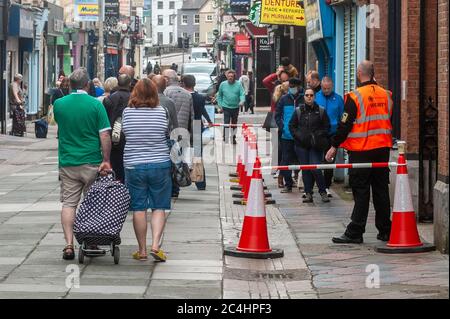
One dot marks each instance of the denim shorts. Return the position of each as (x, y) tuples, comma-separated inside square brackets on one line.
[(150, 186)]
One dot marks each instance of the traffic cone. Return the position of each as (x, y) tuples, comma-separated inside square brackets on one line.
[(239, 159), (242, 172), (253, 158), (254, 240), (404, 237)]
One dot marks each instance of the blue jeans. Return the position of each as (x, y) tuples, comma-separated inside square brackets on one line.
[(306, 157), (287, 158)]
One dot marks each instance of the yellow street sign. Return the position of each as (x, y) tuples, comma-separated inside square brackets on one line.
[(287, 12)]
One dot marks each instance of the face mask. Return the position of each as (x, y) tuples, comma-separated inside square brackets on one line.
[(293, 91)]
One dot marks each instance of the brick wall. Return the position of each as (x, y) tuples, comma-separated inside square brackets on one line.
[(410, 74), (378, 43), (443, 80)]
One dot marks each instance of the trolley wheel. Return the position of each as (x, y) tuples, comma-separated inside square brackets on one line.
[(81, 255), (116, 255)]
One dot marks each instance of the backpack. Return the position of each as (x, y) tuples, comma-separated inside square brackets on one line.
[(103, 211), (41, 128), (317, 142), (181, 175), (117, 136)]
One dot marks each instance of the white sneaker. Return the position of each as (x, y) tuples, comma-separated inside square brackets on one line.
[(328, 192)]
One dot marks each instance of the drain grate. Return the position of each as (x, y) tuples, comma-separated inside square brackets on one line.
[(276, 275)]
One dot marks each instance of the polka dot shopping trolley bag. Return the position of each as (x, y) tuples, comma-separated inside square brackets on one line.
[(102, 212)]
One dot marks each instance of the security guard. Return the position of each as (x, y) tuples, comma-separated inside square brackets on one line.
[(365, 132)]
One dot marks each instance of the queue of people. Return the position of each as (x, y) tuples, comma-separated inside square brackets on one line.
[(132, 124)]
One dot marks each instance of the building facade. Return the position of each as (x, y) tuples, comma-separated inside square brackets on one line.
[(188, 21), (164, 21), (208, 22)]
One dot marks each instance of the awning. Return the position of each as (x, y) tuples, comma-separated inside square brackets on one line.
[(256, 32)]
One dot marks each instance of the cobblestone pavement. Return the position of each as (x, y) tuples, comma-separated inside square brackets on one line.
[(198, 227)]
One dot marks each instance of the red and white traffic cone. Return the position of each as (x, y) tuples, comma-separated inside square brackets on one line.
[(239, 159), (404, 237), (242, 171), (254, 241)]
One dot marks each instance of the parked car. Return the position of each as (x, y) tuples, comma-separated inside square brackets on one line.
[(196, 68), (200, 55)]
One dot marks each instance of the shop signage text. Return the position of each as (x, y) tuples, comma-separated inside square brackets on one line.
[(285, 12)]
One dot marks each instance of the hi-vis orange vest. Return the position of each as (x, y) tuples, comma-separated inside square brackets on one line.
[(372, 128)]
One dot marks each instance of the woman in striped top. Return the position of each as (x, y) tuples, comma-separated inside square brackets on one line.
[(147, 165)]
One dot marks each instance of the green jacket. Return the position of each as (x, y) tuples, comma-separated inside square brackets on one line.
[(230, 95)]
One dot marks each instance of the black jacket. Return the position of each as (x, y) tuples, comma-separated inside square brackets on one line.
[(114, 105), (311, 130)]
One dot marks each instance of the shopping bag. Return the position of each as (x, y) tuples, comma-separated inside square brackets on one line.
[(197, 170)]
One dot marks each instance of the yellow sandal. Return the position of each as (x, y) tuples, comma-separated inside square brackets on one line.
[(136, 255), (158, 255)]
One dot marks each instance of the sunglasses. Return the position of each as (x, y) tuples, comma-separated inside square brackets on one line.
[(309, 95)]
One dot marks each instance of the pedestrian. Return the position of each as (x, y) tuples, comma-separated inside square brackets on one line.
[(185, 111), (365, 131), (147, 165), (280, 90), (84, 147), (289, 68), (129, 70), (91, 90), (188, 82), (174, 67), (283, 114), (114, 105), (109, 88), (313, 81), (164, 101), (271, 81), (149, 68), (230, 97), (333, 103), (309, 126), (62, 88), (157, 69), (221, 78), (245, 82), (249, 98), (99, 90), (17, 106)]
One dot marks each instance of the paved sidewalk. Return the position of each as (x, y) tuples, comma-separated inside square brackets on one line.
[(200, 224)]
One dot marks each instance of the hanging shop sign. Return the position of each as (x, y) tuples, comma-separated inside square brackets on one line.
[(314, 29), (111, 13), (86, 10), (239, 6), (284, 12), (242, 44), (263, 44)]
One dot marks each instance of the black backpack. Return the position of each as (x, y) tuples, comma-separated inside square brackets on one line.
[(41, 128)]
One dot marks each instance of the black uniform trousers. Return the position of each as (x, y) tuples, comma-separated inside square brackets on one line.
[(361, 181)]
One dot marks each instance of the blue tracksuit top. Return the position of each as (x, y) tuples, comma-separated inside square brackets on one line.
[(283, 113), (334, 105)]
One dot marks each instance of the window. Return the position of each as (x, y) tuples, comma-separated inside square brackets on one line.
[(170, 37), (209, 18), (184, 19), (197, 19), (160, 5), (209, 38), (171, 20), (160, 38), (160, 20), (172, 5), (196, 37), (184, 35)]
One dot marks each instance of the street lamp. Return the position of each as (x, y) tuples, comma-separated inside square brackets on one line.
[(70, 36)]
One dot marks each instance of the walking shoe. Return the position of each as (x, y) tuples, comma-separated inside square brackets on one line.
[(69, 252), (280, 181), (344, 239), (328, 192), (286, 190), (234, 140), (308, 198), (304, 195), (383, 237), (325, 198)]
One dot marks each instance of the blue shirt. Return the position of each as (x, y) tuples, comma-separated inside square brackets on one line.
[(334, 105)]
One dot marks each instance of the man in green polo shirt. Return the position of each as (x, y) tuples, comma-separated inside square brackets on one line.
[(230, 97), (84, 147)]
